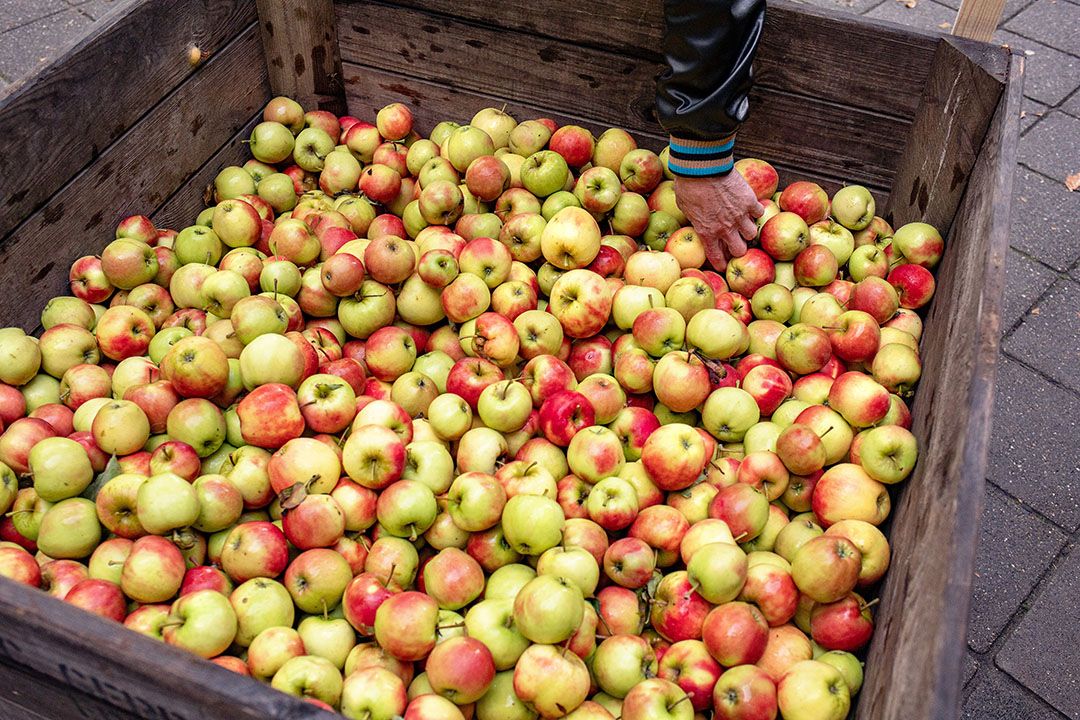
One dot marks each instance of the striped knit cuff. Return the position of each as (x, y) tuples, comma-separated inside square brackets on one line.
[(701, 158)]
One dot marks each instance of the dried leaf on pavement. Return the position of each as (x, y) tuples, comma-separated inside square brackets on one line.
[(1073, 182)]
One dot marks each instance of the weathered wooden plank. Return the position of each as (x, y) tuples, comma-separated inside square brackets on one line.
[(122, 68), (841, 141), (29, 696), (182, 207), (142, 677), (861, 71), (301, 49), (944, 140), (369, 89), (978, 19), (914, 668), (138, 172)]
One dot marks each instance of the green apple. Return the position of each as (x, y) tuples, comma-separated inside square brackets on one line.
[(621, 662), (232, 182), (20, 357), (166, 502), (500, 702), (271, 359), (327, 637), (67, 309), (260, 603), (728, 413), (311, 147), (506, 581), (60, 468), (375, 693), (813, 690), (848, 665), (718, 571), (548, 609), (309, 676), (532, 523), (69, 529), (165, 339), (195, 244), (492, 623), (465, 144), (120, 427), (575, 563), (853, 207), (544, 173), (27, 512), (203, 623), (717, 334), (9, 487), (888, 453)]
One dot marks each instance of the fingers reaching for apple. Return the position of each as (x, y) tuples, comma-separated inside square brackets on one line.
[(722, 209)]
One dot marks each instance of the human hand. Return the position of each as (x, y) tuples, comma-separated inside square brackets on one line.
[(722, 210)]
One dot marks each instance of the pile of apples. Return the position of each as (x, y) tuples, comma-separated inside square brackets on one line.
[(461, 427)]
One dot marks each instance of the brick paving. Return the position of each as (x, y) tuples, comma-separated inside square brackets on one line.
[(1024, 637)]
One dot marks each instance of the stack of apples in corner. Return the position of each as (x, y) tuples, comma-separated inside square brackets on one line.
[(462, 426)]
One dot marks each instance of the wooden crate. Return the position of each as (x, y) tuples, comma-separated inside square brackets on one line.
[(928, 122)]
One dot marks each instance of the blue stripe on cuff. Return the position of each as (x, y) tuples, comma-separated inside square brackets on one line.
[(711, 150), (702, 172)]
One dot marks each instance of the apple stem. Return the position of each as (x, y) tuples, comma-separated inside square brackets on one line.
[(451, 626), (740, 536), (867, 605), (684, 698), (827, 431), (390, 575)]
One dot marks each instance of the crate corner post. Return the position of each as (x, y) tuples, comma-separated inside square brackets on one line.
[(964, 86), (300, 45)]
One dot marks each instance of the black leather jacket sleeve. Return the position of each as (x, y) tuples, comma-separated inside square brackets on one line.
[(701, 98)]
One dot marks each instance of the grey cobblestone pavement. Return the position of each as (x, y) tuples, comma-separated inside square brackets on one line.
[(1024, 640)]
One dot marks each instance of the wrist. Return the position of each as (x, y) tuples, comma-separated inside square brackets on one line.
[(701, 158)]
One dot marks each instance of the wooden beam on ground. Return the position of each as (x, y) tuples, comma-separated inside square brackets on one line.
[(978, 19), (301, 49)]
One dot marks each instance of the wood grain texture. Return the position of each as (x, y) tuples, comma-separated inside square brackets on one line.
[(978, 19), (789, 58), (28, 696), (604, 89), (144, 678), (118, 73), (944, 139), (301, 49), (137, 173), (914, 668)]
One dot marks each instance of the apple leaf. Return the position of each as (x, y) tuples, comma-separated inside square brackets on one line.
[(112, 469), (293, 496), (1072, 182)]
